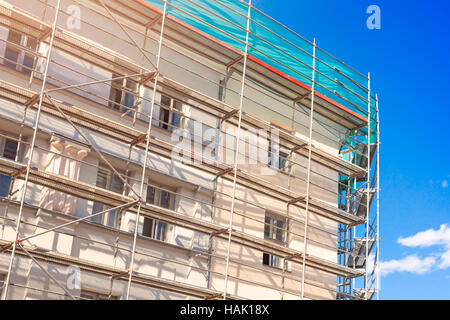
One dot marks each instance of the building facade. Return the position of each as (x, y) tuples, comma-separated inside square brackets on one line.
[(149, 152)]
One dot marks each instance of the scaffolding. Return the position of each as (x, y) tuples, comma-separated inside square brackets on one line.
[(245, 59)]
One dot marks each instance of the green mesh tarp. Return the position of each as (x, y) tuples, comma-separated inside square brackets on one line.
[(273, 44)]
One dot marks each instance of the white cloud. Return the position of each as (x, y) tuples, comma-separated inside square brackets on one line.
[(428, 238), (412, 264), (415, 264), (444, 184), (445, 260)]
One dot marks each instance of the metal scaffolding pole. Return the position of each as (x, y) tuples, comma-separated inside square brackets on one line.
[(308, 182), (85, 138), (85, 84), (291, 170), (237, 175), (43, 92), (128, 35), (45, 271), (107, 244), (28, 168), (355, 181), (241, 103), (144, 167), (172, 61), (378, 201), (368, 186), (121, 207)]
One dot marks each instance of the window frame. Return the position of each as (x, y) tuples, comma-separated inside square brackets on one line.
[(268, 259), (280, 165), (273, 261), (167, 113), (111, 218), (273, 228), (22, 50), (157, 196), (5, 141), (153, 228), (6, 179), (127, 88)]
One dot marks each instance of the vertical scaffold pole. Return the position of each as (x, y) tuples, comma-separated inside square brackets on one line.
[(378, 200), (355, 192), (308, 180), (233, 199), (366, 286), (141, 191), (30, 159), (288, 225)]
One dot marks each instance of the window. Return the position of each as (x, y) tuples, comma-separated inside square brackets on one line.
[(10, 149), (278, 160), (153, 228), (2, 283), (275, 227), (91, 295), (272, 261), (159, 197), (170, 114), (5, 182), (106, 179), (283, 162), (123, 95), (9, 152), (12, 52), (18, 54)]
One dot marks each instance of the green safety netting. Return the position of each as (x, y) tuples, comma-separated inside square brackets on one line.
[(273, 44)]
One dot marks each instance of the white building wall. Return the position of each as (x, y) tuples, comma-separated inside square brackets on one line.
[(206, 83)]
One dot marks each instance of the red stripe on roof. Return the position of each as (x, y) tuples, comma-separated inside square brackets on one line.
[(301, 84), (278, 72), (150, 6), (254, 59), (340, 106)]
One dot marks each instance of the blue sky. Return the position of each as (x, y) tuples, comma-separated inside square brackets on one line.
[(409, 62)]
